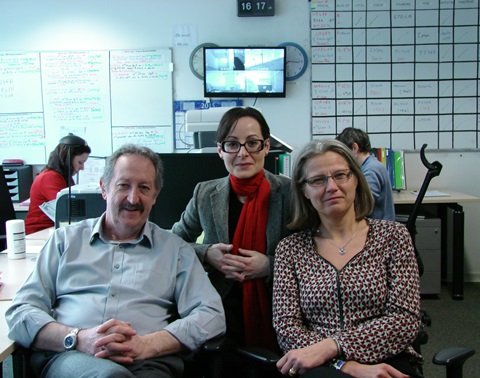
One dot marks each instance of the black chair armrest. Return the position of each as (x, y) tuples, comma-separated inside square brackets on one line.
[(453, 359), (259, 354), (216, 344), (450, 356)]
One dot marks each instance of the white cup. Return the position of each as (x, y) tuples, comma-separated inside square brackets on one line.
[(15, 229)]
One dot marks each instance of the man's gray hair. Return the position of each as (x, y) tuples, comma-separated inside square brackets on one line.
[(133, 149)]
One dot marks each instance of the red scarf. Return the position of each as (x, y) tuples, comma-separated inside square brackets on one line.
[(251, 233)]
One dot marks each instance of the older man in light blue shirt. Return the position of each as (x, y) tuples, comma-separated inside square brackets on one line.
[(116, 296)]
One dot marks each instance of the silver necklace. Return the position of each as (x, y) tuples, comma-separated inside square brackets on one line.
[(341, 250)]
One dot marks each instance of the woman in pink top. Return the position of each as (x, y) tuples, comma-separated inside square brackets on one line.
[(53, 178)]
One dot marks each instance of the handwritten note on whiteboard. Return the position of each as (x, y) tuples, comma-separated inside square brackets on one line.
[(159, 139), (20, 83)]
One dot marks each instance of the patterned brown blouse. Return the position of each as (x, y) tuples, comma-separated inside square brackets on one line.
[(371, 306)]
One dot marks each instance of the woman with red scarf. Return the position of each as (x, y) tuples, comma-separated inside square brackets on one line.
[(243, 217)]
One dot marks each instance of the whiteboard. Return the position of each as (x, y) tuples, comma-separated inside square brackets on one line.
[(141, 87), (105, 97), (404, 71)]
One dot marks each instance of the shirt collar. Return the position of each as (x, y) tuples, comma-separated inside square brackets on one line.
[(145, 238), (365, 161)]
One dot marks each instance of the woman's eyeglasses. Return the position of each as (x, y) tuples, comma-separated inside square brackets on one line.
[(340, 177), (232, 147)]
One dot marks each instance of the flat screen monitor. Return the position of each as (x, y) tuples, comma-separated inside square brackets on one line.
[(244, 71)]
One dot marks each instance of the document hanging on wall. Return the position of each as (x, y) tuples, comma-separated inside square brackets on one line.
[(101, 96)]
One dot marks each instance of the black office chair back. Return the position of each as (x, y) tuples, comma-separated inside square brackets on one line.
[(433, 170), (7, 211)]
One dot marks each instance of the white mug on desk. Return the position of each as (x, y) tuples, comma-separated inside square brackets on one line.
[(15, 230)]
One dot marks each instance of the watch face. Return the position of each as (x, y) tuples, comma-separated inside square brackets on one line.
[(196, 59), (69, 342)]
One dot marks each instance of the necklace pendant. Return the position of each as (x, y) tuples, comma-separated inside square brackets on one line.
[(342, 251)]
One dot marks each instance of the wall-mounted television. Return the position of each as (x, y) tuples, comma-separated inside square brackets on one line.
[(244, 71)]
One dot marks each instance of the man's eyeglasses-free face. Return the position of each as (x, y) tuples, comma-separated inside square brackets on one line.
[(340, 177), (232, 146)]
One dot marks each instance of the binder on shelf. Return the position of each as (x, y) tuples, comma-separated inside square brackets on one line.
[(390, 166), (285, 167), (399, 170), (394, 163)]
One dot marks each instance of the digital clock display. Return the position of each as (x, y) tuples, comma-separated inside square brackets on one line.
[(255, 8)]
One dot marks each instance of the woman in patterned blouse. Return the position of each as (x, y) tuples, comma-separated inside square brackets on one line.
[(346, 288)]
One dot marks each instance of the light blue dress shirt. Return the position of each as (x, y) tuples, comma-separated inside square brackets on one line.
[(81, 279), (379, 182)]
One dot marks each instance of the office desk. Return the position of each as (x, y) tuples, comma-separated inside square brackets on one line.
[(15, 272), (453, 228), (7, 346)]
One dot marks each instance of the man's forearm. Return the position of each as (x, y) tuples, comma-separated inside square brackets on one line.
[(51, 336), (160, 343)]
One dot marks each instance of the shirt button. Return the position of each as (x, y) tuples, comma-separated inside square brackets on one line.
[(116, 266), (113, 294)]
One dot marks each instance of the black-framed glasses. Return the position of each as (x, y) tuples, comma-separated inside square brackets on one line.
[(252, 145), (340, 177)]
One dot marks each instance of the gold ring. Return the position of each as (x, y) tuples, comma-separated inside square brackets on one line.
[(292, 372)]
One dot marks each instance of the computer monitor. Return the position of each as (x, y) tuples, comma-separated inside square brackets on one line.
[(245, 71), (182, 172), (87, 202)]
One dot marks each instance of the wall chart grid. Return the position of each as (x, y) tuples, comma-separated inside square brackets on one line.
[(405, 71)]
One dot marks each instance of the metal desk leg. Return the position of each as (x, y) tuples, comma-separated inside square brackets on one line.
[(458, 251)]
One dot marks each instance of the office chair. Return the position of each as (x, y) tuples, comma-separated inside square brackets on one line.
[(452, 358)]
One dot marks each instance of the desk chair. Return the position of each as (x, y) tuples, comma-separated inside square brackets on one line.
[(7, 212), (452, 358)]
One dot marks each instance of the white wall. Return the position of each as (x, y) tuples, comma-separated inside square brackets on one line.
[(107, 24)]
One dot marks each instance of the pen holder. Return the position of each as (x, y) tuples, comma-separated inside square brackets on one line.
[(15, 230)]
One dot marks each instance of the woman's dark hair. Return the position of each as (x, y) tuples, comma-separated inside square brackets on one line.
[(230, 118), (58, 159), (352, 135)]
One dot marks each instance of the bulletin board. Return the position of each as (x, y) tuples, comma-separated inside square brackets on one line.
[(106, 97), (405, 71)]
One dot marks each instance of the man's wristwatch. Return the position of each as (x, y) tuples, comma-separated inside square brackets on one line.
[(70, 341)]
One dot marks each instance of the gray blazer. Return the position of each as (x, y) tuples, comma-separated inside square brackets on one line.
[(207, 212)]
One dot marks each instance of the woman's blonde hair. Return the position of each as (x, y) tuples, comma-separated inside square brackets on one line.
[(304, 215)]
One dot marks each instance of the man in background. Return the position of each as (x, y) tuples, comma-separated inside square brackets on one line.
[(116, 296), (374, 171)]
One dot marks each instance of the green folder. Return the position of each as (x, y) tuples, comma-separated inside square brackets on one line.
[(399, 170)]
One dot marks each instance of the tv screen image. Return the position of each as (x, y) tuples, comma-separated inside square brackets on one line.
[(244, 71)]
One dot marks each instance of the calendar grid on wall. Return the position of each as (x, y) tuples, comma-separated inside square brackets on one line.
[(404, 71)]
